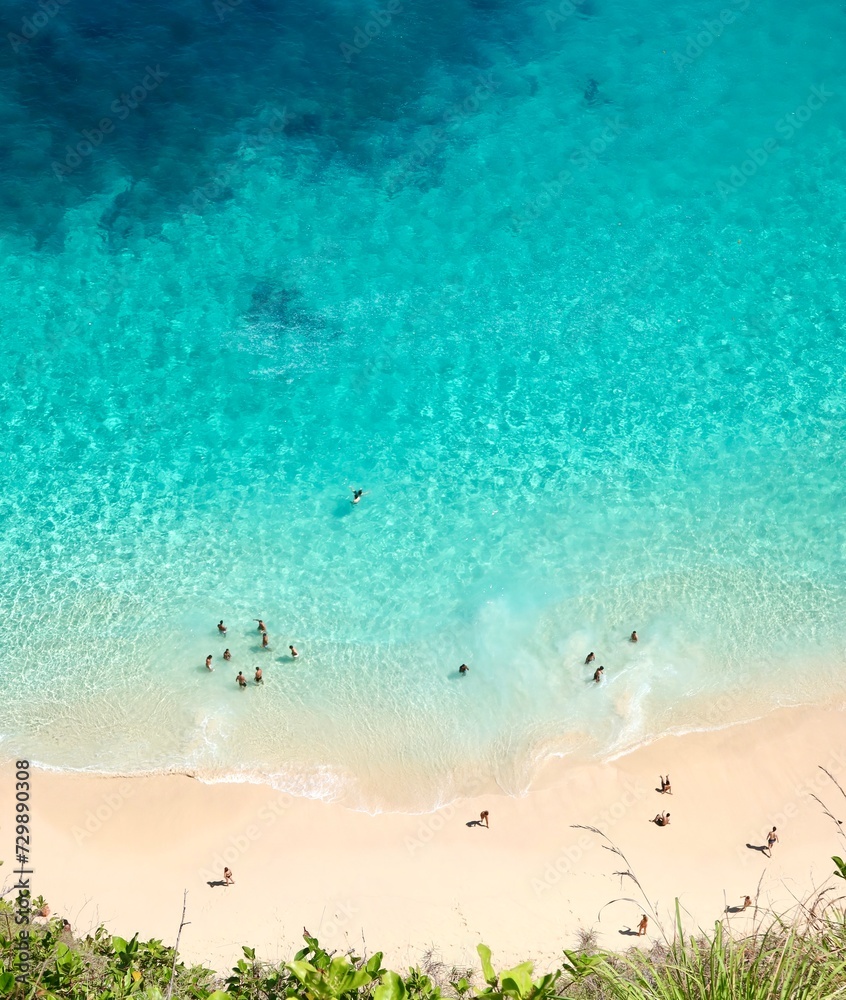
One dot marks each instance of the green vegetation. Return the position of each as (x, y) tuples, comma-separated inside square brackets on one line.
[(776, 963)]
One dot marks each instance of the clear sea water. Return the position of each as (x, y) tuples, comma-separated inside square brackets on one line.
[(561, 287)]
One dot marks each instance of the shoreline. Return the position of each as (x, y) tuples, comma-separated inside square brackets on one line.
[(121, 849)]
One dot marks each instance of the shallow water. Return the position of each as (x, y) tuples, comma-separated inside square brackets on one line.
[(560, 288)]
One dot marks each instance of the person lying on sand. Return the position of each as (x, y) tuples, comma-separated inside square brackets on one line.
[(666, 787), (662, 819)]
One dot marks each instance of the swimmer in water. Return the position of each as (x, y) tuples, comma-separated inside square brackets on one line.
[(357, 495), (208, 662), (259, 678), (633, 637), (261, 627), (464, 669), (221, 627), (264, 640), (597, 674), (294, 653), (242, 680), (227, 655), (590, 658)]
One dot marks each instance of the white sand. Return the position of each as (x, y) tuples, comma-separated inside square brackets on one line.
[(121, 851)]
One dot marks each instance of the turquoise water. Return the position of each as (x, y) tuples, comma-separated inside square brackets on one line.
[(561, 291)]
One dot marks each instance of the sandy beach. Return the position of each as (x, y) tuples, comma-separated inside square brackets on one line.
[(121, 851)]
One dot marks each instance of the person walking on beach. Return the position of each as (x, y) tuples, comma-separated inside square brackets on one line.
[(227, 877), (772, 838), (242, 680), (265, 641), (589, 658), (641, 927), (666, 787), (633, 637), (597, 674), (463, 669), (294, 653), (662, 819), (261, 627), (747, 902), (259, 678), (483, 818), (208, 662), (221, 627), (227, 655)]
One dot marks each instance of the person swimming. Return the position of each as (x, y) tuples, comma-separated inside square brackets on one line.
[(242, 680), (357, 495)]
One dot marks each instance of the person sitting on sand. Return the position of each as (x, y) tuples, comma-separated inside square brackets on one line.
[(666, 787), (641, 927), (772, 838), (294, 653), (597, 674), (265, 641), (483, 818), (221, 627), (227, 877), (208, 662), (747, 902), (227, 655), (242, 680), (464, 669), (589, 658), (261, 627), (662, 819), (259, 678), (633, 637)]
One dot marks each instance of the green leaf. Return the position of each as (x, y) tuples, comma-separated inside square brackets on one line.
[(487, 969), (518, 981), (841, 867), (119, 945), (392, 988), (7, 984), (219, 995)]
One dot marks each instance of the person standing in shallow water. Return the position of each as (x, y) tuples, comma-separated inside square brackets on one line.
[(208, 662), (633, 637), (464, 669), (294, 653), (259, 679), (227, 655), (589, 658), (597, 675), (265, 641), (221, 627), (261, 627), (242, 680)]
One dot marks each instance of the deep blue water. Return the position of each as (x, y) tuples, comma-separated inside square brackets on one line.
[(559, 286)]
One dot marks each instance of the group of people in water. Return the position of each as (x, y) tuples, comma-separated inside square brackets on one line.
[(240, 679), (600, 670)]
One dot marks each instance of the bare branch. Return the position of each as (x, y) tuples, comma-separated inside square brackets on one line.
[(182, 923)]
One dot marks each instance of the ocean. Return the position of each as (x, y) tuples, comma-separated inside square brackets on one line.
[(558, 285)]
